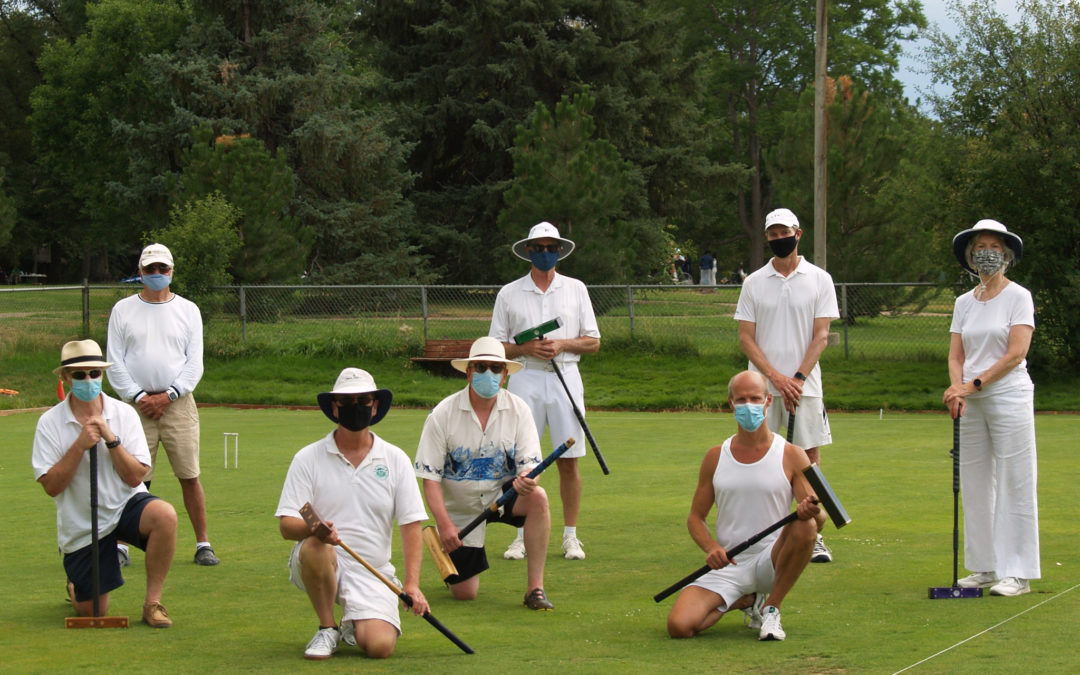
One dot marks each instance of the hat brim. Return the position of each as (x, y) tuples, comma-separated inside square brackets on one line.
[(519, 247), (463, 364), (82, 365), (383, 396), (960, 243)]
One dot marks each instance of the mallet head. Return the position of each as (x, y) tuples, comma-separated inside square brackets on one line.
[(826, 496)]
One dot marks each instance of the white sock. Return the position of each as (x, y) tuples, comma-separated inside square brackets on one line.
[(521, 533), (201, 544), (568, 531)]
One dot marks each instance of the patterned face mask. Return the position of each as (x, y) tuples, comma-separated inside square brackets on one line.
[(987, 261)]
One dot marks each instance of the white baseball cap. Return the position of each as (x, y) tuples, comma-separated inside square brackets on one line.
[(781, 217), (155, 253), (544, 230)]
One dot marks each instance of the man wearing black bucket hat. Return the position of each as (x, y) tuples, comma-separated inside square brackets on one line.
[(992, 394), (86, 419), (360, 484)]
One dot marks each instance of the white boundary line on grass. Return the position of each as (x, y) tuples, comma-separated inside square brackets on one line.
[(983, 632)]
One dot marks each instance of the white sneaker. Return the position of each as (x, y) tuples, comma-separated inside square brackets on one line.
[(323, 645), (516, 550), (770, 625), (571, 547), (1011, 586), (822, 553), (753, 612), (123, 555), (978, 580)]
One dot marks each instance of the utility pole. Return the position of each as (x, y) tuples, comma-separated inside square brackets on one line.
[(820, 129)]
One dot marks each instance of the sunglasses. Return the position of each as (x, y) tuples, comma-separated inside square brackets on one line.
[(346, 400), (550, 248), (496, 368), (83, 374), (160, 268)]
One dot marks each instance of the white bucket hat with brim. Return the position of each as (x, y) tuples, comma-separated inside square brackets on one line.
[(543, 230), (487, 349), (353, 381), (961, 240), (80, 354)]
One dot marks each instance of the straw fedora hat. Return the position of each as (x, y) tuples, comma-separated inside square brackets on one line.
[(487, 349), (80, 354)]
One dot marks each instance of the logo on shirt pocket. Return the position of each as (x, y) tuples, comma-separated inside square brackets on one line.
[(381, 471)]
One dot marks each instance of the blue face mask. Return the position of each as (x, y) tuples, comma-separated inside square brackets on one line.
[(486, 385), (750, 415), (86, 390), (156, 282), (543, 260)]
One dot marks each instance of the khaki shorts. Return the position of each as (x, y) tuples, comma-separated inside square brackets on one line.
[(178, 431), (811, 422)]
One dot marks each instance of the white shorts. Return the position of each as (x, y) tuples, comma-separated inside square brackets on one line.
[(360, 594), (752, 573), (550, 406), (811, 421)]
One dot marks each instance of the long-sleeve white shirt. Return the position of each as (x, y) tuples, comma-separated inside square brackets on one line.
[(154, 346)]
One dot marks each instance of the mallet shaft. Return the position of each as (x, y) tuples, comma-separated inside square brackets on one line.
[(581, 420)]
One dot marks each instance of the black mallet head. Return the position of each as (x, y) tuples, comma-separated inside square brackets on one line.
[(826, 497)]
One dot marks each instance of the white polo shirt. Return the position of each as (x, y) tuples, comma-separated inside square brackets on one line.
[(57, 430), (783, 310), (473, 463), (154, 346), (362, 502), (520, 305)]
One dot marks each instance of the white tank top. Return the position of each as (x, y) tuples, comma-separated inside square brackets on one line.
[(750, 497)]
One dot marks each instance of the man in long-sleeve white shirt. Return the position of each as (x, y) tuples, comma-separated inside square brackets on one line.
[(156, 346)]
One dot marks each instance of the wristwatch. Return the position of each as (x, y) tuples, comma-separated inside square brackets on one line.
[(115, 442), (978, 384), (800, 376), (172, 394)]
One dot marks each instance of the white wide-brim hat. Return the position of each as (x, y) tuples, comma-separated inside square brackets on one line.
[(781, 217), (960, 241), (80, 354), (356, 381), (543, 230), (487, 349)]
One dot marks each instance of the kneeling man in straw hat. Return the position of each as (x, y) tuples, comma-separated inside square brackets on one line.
[(360, 484), (88, 418), (474, 444), (752, 479)]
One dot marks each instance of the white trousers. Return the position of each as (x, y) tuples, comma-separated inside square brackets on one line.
[(998, 476)]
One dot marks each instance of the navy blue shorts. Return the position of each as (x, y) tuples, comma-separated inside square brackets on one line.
[(472, 560), (79, 564)]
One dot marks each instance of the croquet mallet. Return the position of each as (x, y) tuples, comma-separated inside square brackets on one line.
[(955, 591), (825, 496), (537, 333), (320, 529)]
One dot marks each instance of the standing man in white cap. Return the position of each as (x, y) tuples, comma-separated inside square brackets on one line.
[(156, 346), (476, 442), (359, 484), (86, 419), (784, 313), (538, 297)]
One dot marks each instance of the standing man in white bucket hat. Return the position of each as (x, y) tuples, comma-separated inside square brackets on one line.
[(538, 297)]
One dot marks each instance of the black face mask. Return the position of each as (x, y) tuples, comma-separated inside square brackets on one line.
[(354, 416), (782, 248)]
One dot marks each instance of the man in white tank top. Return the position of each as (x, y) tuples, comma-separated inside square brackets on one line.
[(752, 479)]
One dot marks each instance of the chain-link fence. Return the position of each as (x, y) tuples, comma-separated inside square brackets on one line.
[(881, 321)]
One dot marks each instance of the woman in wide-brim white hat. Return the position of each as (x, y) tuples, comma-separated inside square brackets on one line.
[(992, 394)]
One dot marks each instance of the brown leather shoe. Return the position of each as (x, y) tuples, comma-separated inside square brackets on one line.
[(156, 616)]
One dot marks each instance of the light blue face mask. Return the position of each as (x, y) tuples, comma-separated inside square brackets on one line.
[(543, 260), (86, 389), (156, 282), (750, 415), (486, 384)]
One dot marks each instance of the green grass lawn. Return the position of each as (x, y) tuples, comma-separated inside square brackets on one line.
[(866, 612)]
